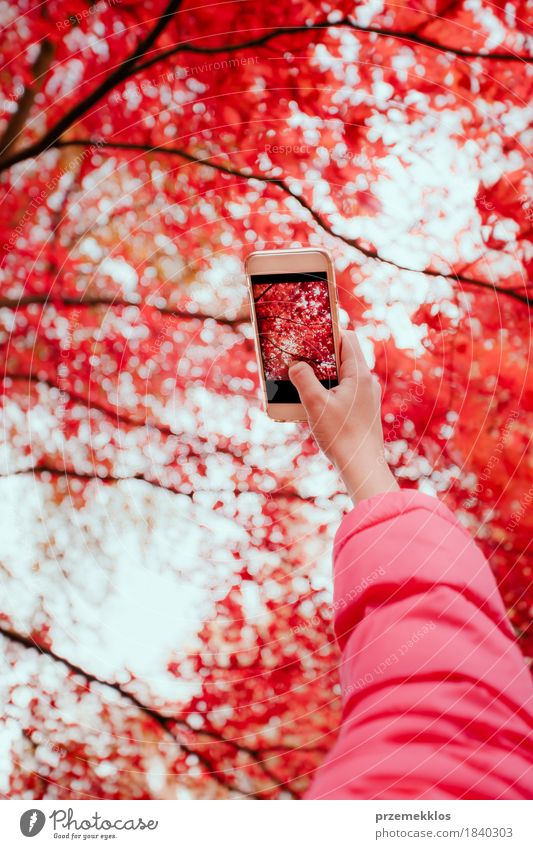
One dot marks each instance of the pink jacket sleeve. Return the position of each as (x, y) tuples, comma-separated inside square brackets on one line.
[(437, 699)]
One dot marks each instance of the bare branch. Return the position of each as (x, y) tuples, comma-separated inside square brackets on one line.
[(16, 123), (165, 430), (116, 301), (257, 298), (411, 36), (113, 413), (132, 66), (281, 184), (116, 416), (122, 72), (291, 353), (168, 724), (289, 320), (43, 468)]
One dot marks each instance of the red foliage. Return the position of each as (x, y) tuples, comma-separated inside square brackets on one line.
[(294, 322)]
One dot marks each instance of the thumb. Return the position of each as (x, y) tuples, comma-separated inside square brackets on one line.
[(310, 390)]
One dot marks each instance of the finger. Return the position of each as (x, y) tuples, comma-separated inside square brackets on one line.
[(309, 388), (353, 363)]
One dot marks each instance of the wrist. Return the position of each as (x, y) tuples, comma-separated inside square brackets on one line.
[(367, 477)]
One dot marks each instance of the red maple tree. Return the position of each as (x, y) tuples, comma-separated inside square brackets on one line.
[(294, 322), (165, 549)]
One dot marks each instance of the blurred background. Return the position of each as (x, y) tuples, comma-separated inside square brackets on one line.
[(165, 549)]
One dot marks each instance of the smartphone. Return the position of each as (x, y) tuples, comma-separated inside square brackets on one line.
[(293, 302)]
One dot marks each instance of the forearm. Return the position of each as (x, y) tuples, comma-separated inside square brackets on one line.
[(367, 476)]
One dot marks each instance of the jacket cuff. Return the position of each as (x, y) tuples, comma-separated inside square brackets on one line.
[(386, 505)]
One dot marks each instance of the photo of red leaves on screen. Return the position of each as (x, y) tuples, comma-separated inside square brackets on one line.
[(294, 322)]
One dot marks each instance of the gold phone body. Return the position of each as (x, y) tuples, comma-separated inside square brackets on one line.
[(295, 260)]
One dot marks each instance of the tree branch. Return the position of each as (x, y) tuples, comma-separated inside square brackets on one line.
[(162, 429), (43, 468), (257, 298), (289, 320), (109, 411), (291, 353), (122, 72), (408, 36), (149, 424), (16, 123), (168, 724), (130, 66), (112, 301), (165, 723), (281, 184)]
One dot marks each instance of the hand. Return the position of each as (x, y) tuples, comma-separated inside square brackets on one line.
[(346, 420)]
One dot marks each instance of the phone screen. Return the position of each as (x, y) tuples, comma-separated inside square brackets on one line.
[(293, 314)]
